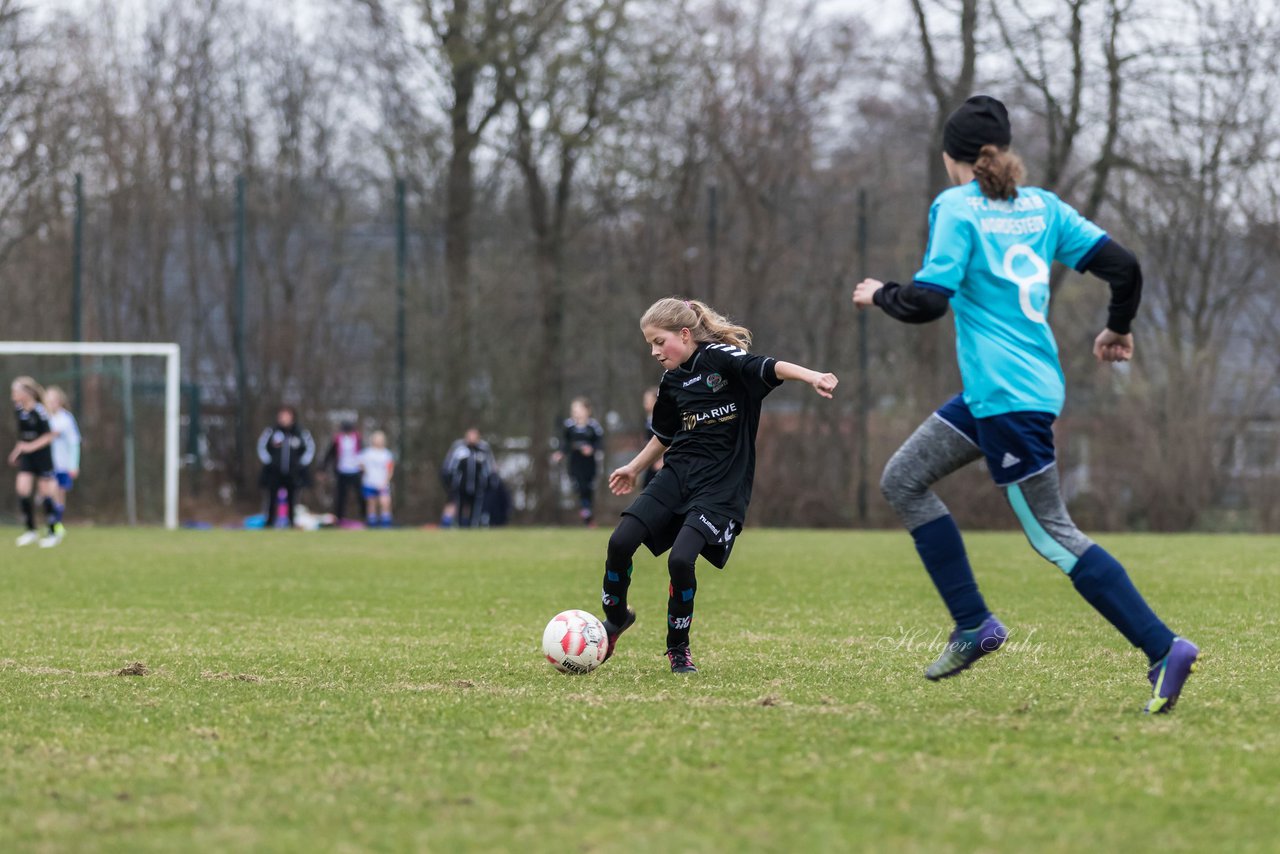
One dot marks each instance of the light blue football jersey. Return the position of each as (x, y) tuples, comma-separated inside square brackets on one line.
[(992, 258)]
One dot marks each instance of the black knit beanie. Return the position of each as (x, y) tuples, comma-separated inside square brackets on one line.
[(979, 121)]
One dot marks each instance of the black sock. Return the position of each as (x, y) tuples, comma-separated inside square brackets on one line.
[(684, 585), (29, 511), (623, 542), (613, 595), (50, 512)]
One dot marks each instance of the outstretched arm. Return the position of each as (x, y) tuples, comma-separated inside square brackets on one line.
[(823, 384), (908, 303)]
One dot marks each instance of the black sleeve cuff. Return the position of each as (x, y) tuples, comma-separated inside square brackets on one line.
[(910, 303), (769, 372)]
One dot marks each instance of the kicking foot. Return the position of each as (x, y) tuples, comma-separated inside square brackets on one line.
[(614, 632), (1169, 674), (26, 538), (965, 647), (681, 659)]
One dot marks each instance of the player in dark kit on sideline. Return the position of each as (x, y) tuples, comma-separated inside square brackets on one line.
[(704, 425), (650, 400), (286, 451), (34, 459), (581, 440), (467, 470), (990, 246)]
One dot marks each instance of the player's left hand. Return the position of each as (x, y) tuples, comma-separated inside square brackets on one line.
[(1113, 347), (864, 293), (824, 384), (15, 453)]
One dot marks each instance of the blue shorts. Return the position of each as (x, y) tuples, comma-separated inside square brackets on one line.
[(374, 492), (65, 481), (1017, 445)]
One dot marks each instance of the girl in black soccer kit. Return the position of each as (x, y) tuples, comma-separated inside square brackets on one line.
[(580, 441), (34, 460), (704, 427)]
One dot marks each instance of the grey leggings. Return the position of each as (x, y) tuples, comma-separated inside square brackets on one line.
[(936, 449)]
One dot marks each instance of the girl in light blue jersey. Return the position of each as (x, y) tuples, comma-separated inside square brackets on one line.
[(991, 243)]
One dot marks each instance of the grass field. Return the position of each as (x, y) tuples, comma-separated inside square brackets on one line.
[(385, 691)]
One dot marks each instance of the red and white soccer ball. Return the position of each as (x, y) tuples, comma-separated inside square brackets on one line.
[(575, 642)]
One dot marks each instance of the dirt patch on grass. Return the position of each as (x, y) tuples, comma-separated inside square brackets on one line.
[(135, 669), (9, 663), (239, 677)]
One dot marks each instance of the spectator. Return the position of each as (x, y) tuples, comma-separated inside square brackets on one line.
[(344, 458), (580, 443), (466, 474), (378, 465), (650, 400), (66, 444), (286, 451)]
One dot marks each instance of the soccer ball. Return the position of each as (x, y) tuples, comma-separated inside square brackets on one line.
[(575, 642)]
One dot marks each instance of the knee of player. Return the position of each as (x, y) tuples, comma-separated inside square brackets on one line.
[(681, 569), (896, 481)]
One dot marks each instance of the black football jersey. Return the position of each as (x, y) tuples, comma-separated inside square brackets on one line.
[(32, 423), (576, 437), (707, 413)]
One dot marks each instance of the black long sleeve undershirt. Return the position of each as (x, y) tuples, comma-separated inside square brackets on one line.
[(1112, 263), (911, 304), (1119, 268)]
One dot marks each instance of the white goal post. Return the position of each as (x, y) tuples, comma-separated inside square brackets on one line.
[(172, 390)]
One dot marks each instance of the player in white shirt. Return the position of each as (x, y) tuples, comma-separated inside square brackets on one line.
[(65, 446), (378, 465)]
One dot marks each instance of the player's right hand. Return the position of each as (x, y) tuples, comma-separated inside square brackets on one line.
[(622, 481), (864, 293)]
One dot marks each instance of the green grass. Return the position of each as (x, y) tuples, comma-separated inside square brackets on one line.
[(385, 691)]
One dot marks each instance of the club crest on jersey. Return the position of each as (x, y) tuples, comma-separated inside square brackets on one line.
[(715, 382)]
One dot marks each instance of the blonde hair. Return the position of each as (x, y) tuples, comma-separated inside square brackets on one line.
[(31, 387), (702, 321), (998, 171), (56, 391), (584, 403)]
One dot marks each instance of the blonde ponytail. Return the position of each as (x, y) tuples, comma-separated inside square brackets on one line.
[(702, 321)]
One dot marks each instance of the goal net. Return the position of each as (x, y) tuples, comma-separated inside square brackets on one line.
[(126, 398)]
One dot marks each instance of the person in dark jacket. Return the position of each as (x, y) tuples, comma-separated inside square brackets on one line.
[(466, 473), (286, 451)]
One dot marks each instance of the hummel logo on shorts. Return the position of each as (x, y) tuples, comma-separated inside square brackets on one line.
[(1009, 460)]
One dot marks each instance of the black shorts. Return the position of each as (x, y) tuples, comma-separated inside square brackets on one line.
[(38, 463), (654, 510)]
